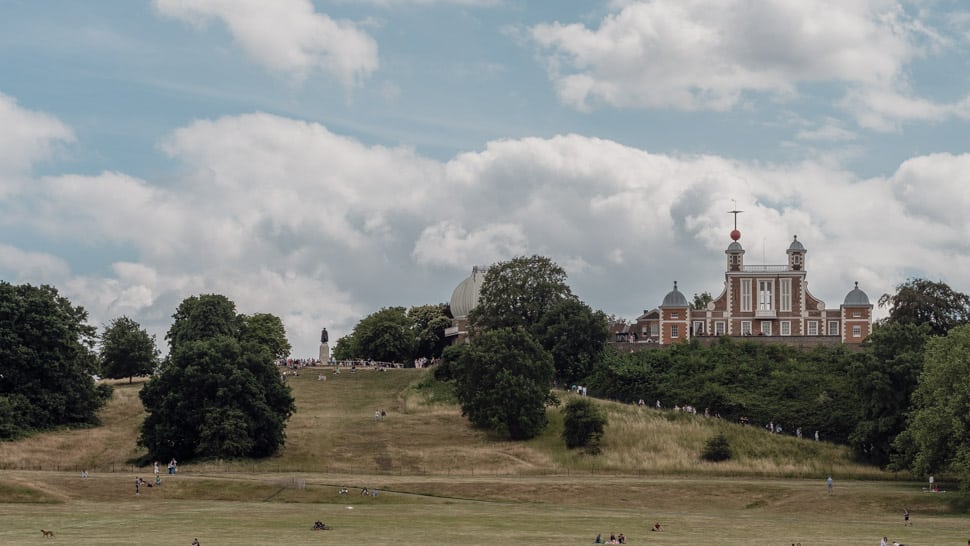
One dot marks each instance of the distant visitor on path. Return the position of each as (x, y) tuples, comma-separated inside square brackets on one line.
[(828, 482)]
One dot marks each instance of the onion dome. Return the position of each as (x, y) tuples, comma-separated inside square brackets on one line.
[(465, 296), (674, 298), (856, 298)]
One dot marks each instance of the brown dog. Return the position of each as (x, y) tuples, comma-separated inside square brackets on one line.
[(47, 534)]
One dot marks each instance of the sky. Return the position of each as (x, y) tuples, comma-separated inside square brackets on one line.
[(320, 160)]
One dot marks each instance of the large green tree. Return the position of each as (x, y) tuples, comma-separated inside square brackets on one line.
[(46, 361), (203, 317), (502, 379), (937, 438), (575, 335), (517, 293), (219, 393), (920, 301), (127, 350), (883, 376), (428, 323), (385, 336), (267, 330)]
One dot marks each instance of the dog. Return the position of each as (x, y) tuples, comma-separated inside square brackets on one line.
[(47, 534)]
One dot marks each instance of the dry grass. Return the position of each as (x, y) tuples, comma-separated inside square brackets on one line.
[(334, 431), (101, 447), (441, 481)]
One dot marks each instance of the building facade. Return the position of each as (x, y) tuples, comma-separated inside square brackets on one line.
[(767, 301)]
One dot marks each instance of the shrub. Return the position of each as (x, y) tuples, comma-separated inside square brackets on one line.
[(717, 448), (583, 425)]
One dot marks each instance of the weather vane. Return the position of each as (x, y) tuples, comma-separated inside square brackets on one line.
[(735, 212)]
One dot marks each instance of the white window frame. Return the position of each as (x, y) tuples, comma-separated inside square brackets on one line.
[(833, 328), (674, 331), (654, 329), (766, 327), (857, 331), (766, 294), (719, 328), (674, 315), (698, 328), (857, 314), (745, 327), (746, 294), (784, 298), (813, 327), (784, 328)]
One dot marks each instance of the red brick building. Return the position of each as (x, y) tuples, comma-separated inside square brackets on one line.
[(767, 301)]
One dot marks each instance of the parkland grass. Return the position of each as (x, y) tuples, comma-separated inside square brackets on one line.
[(440, 481)]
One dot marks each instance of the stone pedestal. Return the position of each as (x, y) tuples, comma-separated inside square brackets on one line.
[(324, 353)]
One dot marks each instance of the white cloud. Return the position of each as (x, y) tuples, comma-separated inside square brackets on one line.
[(287, 217), (25, 264), (27, 137), (703, 55), (287, 35)]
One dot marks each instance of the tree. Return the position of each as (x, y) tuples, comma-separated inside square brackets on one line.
[(219, 393), (502, 380), (517, 293), (575, 335), (583, 424), (883, 376), (428, 323), (701, 300), (127, 350), (385, 336), (919, 301), (716, 448), (267, 330), (46, 362), (937, 438), (203, 317)]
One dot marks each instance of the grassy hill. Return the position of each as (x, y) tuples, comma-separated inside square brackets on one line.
[(333, 430), (441, 481)]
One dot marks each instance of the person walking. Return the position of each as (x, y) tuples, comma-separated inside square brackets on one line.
[(906, 521), (828, 483)]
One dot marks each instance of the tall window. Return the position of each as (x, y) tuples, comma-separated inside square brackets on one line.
[(654, 329), (784, 328), (857, 331), (813, 327), (766, 327), (833, 327), (745, 294), (719, 328), (765, 289), (745, 327), (698, 328), (674, 330), (784, 299)]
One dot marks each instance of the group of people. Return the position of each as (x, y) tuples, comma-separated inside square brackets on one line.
[(614, 539), (379, 414)]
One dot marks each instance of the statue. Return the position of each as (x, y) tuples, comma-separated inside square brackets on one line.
[(323, 336)]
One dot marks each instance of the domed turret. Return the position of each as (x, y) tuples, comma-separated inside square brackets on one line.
[(856, 298), (796, 255), (465, 296), (674, 298)]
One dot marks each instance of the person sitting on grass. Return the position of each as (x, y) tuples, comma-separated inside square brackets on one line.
[(319, 526), (657, 527)]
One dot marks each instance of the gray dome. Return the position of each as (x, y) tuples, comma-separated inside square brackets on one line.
[(465, 296), (675, 298), (856, 298), (796, 246), (734, 247)]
